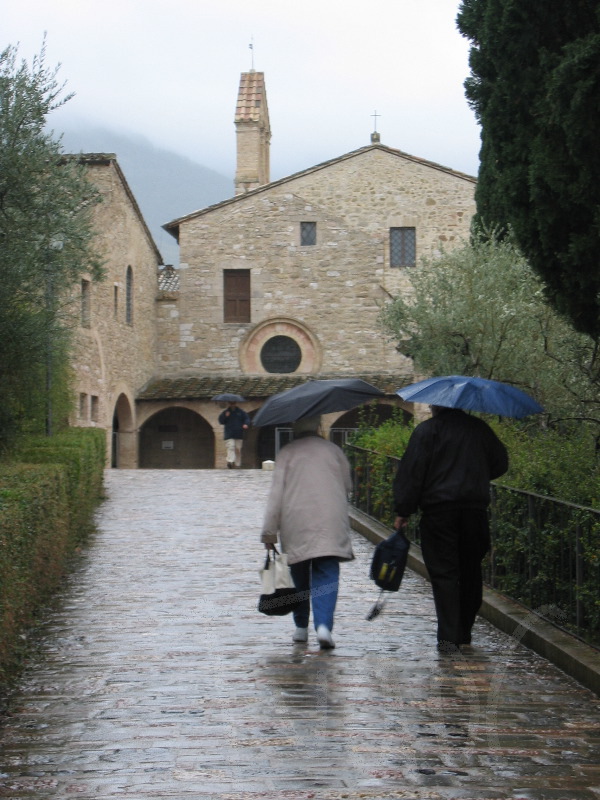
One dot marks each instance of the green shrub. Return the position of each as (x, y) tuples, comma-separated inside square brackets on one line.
[(81, 451), (389, 439), (48, 493), (551, 463), (374, 469), (546, 462)]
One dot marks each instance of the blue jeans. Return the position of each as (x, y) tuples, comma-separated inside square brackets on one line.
[(319, 578)]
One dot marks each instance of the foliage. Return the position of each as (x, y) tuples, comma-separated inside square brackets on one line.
[(550, 463), (82, 452), (534, 85), (46, 240), (546, 554), (480, 310), (46, 509), (373, 458), (390, 438)]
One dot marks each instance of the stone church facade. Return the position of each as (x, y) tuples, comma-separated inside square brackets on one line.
[(280, 283)]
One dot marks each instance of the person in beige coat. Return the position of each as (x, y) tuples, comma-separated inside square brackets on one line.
[(307, 509)]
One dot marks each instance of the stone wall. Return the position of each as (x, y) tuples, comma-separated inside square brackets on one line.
[(326, 296), (114, 357)]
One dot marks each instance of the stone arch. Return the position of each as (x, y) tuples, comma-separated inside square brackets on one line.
[(308, 344), (123, 440), (176, 438)]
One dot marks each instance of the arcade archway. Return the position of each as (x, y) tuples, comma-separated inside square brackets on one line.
[(123, 445), (176, 438)]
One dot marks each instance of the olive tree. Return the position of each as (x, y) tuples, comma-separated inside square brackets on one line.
[(46, 242), (481, 310)]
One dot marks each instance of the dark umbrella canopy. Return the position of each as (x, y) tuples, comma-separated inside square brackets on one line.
[(228, 398), (472, 394), (313, 398)]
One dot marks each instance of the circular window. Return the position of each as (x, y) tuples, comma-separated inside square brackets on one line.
[(281, 354)]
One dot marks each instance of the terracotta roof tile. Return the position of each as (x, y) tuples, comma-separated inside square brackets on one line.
[(252, 97), (168, 279), (251, 386)]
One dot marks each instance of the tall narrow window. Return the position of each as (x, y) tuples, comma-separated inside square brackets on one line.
[(115, 301), (129, 296), (308, 233), (85, 304), (236, 295), (94, 408), (403, 247)]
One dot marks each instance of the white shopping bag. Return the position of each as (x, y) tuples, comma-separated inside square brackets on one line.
[(276, 573)]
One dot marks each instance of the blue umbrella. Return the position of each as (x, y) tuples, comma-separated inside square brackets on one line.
[(472, 394), (313, 398)]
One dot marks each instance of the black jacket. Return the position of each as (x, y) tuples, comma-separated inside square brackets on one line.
[(449, 462), (233, 419)]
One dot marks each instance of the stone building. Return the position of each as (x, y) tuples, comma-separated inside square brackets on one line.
[(115, 343), (283, 282)]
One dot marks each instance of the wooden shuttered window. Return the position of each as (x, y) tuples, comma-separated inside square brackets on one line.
[(236, 295)]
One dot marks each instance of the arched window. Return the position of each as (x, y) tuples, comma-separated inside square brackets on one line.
[(129, 296)]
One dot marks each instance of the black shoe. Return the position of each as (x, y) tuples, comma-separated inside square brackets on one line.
[(448, 648)]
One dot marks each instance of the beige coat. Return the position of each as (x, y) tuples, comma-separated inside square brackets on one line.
[(308, 502)]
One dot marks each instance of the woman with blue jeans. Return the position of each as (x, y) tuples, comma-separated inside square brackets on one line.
[(307, 511), (318, 578)]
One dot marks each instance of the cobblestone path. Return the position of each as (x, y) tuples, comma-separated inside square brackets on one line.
[(159, 679)]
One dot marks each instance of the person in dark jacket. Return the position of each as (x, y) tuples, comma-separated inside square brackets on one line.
[(445, 473), (236, 421)]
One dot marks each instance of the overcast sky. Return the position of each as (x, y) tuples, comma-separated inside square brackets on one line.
[(169, 70)]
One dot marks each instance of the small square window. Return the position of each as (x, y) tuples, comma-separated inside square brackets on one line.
[(308, 233), (403, 247)]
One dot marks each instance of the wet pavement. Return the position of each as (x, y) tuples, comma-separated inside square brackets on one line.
[(158, 678)]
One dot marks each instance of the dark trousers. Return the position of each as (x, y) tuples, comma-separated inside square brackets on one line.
[(454, 543)]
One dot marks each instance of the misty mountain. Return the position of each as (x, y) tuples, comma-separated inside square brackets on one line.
[(165, 185)]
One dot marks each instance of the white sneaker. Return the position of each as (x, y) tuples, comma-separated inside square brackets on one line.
[(300, 635), (324, 636)]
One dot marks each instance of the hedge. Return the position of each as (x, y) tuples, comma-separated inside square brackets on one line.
[(48, 493)]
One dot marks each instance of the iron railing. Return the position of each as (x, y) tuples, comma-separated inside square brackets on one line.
[(545, 552)]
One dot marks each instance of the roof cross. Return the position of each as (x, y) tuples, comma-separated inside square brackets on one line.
[(375, 124)]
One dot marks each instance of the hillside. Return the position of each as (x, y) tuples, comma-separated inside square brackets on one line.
[(165, 185)]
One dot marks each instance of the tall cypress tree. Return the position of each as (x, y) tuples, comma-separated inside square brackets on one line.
[(535, 88)]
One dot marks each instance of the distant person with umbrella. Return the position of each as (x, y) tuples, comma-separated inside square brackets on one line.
[(445, 473), (235, 421), (307, 509)]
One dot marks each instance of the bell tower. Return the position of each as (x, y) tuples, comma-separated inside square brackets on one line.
[(253, 133)]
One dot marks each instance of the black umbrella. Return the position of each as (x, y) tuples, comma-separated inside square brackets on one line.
[(228, 398), (313, 398)]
